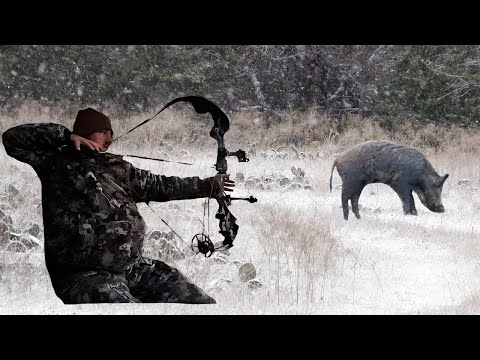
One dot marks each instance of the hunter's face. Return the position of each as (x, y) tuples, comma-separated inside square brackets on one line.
[(103, 138)]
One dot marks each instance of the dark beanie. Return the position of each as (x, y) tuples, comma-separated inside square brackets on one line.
[(89, 121)]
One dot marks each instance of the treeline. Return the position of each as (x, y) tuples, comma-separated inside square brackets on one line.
[(390, 83)]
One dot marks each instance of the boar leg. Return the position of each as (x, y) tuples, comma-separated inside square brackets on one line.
[(355, 208), (351, 192), (405, 193), (413, 209), (345, 204)]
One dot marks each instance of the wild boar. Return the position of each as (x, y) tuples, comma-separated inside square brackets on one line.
[(403, 168)]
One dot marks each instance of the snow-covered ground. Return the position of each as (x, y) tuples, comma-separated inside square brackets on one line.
[(308, 259)]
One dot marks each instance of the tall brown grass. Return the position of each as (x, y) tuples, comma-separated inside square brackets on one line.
[(184, 126)]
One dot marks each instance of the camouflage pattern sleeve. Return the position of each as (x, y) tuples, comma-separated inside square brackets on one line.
[(33, 143), (151, 187)]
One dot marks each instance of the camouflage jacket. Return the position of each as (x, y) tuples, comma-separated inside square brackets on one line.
[(89, 199)]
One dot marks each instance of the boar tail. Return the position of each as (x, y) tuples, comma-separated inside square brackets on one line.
[(331, 174)]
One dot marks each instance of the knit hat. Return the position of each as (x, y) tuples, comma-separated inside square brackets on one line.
[(89, 121)]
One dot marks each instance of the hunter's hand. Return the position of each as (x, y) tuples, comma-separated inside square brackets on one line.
[(78, 140), (221, 183)]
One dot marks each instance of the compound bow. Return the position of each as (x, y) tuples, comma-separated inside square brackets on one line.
[(227, 222)]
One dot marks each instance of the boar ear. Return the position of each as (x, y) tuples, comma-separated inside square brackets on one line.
[(442, 179)]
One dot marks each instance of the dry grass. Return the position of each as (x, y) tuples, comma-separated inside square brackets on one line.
[(299, 251), (182, 125)]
